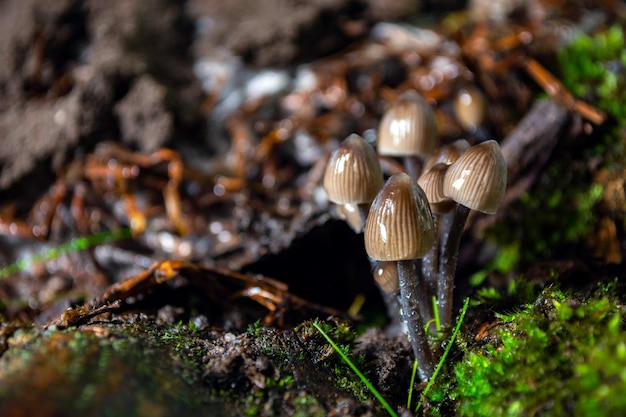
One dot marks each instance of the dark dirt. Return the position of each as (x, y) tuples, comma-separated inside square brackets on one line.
[(91, 93), (67, 64)]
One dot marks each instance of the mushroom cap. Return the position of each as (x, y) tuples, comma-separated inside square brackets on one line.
[(353, 174), (351, 215), (387, 278), (400, 224), (478, 178), (408, 127), (447, 154), (431, 182), (470, 108)]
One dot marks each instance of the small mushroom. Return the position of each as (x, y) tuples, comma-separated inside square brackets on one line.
[(400, 228), (408, 129), (476, 181), (351, 214), (431, 182), (470, 108), (353, 174), (478, 178), (386, 276), (447, 154)]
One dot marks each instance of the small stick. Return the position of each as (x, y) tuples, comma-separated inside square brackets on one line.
[(556, 89)]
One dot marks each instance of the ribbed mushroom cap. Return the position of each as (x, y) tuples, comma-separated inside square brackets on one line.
[(399, 225), (386, 276), (353, 174), (408, 127), (447, 154), (431, 182), (478, 178), (470, 107)]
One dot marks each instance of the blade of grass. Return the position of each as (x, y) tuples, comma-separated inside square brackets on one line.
[(408, 401), (74, 245), (436, 314), (363, 378), (445, 353)]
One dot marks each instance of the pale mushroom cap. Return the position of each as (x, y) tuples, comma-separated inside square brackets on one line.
[(353, 174), (400, 224), (387, 278), (431, 182), (447, 154), (478, 178), (350, 213), (470, 107), (408, 127)]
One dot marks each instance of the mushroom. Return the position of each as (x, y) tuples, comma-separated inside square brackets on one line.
[(447, 154), (353, 174), (408, 129), (470, 108), (386, 276), (431, 182), (476, 181), (351, 214), (400, 228)]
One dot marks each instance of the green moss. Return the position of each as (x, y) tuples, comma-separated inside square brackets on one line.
[(592, 68), (104, 370), (307, 406), (323, 354), (550, 221), (562, 355)]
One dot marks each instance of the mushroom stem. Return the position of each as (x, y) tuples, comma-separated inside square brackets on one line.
[(409, 296), (413, 166), (364, 209), (454, 223), (423, 294), (429, 262)]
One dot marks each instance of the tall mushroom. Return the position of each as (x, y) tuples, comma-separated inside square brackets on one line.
[(431, 182), (353, 174), (408, 129), (352, 179), (476, 181), (400, 228)]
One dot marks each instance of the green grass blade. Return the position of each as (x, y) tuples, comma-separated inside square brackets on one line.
[(413, 373), (74, 245), (363, 378), (445, 353), (436, 314)]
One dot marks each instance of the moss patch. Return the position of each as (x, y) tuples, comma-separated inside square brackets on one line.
[(97, 370), (562, 355)]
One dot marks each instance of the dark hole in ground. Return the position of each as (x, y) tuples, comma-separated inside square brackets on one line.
[(327, 266)]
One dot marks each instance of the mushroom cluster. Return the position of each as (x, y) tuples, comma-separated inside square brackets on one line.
[(412, 223)]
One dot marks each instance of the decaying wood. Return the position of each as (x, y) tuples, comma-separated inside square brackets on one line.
[(526, 149), (529, 146)]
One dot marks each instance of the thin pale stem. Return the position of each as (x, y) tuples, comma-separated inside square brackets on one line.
[(454, 223), (414, 320)]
